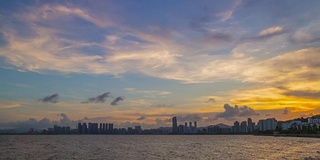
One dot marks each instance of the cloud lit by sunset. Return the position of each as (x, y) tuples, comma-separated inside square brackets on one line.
[(142, 62)]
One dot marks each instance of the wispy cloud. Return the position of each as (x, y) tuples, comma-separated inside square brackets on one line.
[(226, 15), (271, 31), (9, 105), (148, 92)]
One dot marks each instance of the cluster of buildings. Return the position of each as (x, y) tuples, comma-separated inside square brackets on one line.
[(247, 127), (106, 128), (298, 124), (243, 127), (94, 128), (183, 129), (57, 130)]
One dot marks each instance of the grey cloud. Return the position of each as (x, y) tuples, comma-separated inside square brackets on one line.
[(24, 126), (268, 114), (308, 34), (219, 37), (162, 106), (99, 98), (232, 112), (50, 99), (187, 118), (141, 118), (116, 100), (286, 111), (304, 94), (211, 100)]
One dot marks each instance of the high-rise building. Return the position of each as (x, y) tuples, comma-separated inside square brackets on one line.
[(180, 129), (236, 127), (95, 127), (174, 125), (243, 127), (185, 127), (268, 124), (104, 128), (190, 127), (111, 128), (195, 127), (138, 129), (84, 128), (90, 128), (271, 124), (250, 126), (79, 128), (262, 125)]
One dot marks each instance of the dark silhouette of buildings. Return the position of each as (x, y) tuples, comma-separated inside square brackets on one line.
[(174, 125), (183, 129)]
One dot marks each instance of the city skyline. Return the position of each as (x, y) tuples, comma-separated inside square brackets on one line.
[(141, 63)]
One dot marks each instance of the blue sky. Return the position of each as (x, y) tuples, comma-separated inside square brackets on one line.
[(163, 58)]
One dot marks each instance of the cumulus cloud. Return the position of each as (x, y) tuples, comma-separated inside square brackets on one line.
[(50, 99), (116, 100), (286, 111), (24, 126), (99, 98), (233, 112)]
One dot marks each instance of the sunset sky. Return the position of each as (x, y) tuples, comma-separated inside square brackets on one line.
[(141, 62)]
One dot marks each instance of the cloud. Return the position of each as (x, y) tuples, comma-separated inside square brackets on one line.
[(268, 114), (307, 115), (129, 89), (44, 123), (286, 111), (141, 118), (226, 15), (308, 34), (162, 106), (304, 94), (50, 99), (233, 112), (188, 118), (148, 93), (271, 31), (10, 105), (285, 68), (116, 100), (211, 100), (99, 98)]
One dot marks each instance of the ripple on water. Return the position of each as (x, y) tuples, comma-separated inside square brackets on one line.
[(157, 147)]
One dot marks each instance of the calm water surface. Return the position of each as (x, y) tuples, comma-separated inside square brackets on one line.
[(157, 147)]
